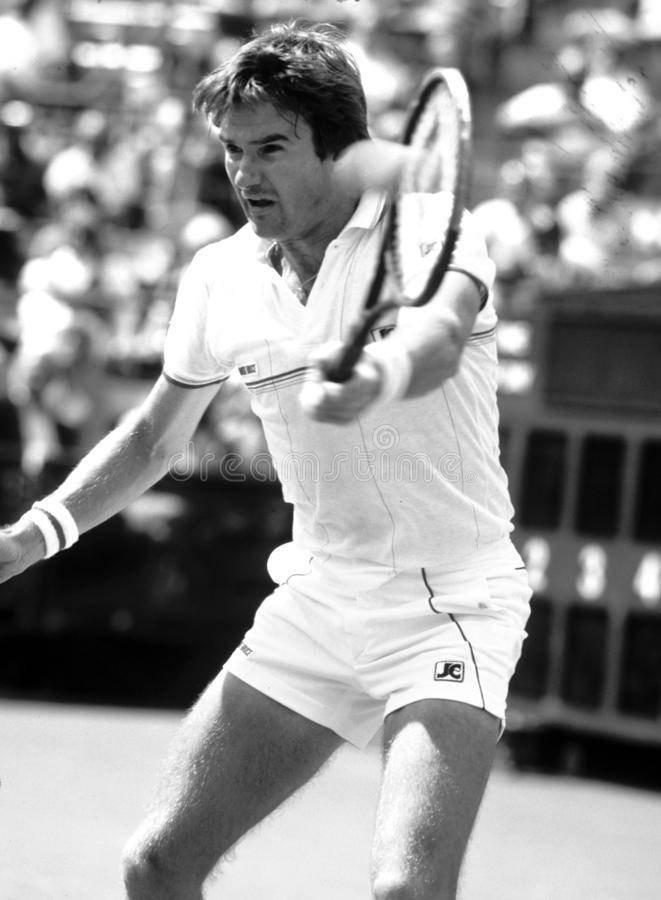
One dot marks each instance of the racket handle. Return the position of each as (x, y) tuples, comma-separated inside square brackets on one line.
[(341, 369)]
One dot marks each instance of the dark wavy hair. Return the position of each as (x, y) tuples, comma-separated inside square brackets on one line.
[(299, 68)]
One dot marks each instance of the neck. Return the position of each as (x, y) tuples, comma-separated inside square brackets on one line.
[(305, 254), (300, 280)]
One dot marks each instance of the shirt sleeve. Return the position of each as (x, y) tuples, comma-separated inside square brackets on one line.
[(188, 359), (470, 256)]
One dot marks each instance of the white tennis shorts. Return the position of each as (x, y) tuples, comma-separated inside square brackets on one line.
[(345, 645)]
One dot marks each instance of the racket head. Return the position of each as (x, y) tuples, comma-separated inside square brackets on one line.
[(425, 214)]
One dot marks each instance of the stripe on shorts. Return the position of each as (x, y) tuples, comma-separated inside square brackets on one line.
[(440, 612)]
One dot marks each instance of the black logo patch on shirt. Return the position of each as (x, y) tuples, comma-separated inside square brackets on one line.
[(250, 369)]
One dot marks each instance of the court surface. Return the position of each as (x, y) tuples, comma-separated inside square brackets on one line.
[(76, 779)]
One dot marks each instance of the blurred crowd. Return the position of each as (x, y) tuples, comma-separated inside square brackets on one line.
[(579, 202), (108, 184)]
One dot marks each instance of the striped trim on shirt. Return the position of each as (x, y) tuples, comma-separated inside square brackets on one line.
[(196, 384), (283, 379), (482, 337)]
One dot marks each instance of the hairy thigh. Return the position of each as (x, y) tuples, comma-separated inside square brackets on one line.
[(238, 755), (437, 759)]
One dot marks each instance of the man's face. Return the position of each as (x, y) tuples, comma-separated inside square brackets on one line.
[(285, 190)]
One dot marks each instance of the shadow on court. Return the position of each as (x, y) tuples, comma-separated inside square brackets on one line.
[(109, 670), (561, 752)]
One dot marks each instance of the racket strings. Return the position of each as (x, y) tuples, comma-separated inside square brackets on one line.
[(421, 221), (422, 224)]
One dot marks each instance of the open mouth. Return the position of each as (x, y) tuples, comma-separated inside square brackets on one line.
[(259, 204)]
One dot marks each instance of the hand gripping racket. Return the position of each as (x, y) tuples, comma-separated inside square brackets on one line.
[(415, 253)]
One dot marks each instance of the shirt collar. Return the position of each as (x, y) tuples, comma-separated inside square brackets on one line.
[(368, 212)]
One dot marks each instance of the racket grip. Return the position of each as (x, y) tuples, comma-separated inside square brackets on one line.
[(341, 369)]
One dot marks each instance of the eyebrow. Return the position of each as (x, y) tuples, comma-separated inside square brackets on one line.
[(269, 139)]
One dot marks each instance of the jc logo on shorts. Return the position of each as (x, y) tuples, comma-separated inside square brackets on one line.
[(449, 671)]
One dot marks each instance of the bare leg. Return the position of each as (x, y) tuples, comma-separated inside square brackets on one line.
[(238, 756), (438, 754)]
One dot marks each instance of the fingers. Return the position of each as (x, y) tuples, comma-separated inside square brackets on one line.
[(328, 401), (323, 358)]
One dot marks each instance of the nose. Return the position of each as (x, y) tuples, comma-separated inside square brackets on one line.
[(246, 173)]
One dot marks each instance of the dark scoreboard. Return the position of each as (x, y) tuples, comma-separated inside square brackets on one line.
[(603, 351), (582, 447)]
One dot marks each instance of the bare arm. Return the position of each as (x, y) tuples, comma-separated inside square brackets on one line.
[(119, 469), (373, 163), (434, 335)]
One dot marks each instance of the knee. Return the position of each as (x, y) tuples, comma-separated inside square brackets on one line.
[(391, 889), (406, 886), (150, 872), (144, 871)]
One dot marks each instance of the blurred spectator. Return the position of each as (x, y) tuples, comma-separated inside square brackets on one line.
[(599, 125), (502, 23), (613, 96), (86, 260), (506, 226), (594, 90), (387, 81), (21, 174), (19, 47), (648, 19), (163, 139), (66, 252), (75, 168), (97, 162), (11, 246), (56, 381), (214, 190), (34, 46), (588, 78), (594, 232), (521, 229), (203, 228)]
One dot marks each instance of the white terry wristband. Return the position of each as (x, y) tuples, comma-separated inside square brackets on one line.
[(395, 365), (63, 520), (43, 522)]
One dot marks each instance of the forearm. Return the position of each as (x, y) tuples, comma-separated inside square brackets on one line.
[(120, 468), (434, 346), (431, 339)]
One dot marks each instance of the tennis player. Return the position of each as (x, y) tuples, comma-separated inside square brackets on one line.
[(400, 602)]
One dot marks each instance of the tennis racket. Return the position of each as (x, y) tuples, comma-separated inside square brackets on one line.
[(411, 267)]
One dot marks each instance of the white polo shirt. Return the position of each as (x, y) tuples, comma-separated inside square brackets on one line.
[(413, 484)]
